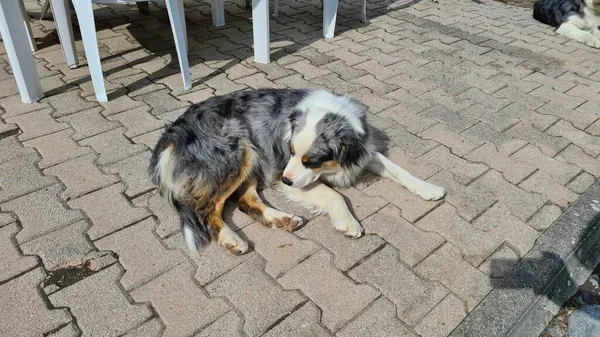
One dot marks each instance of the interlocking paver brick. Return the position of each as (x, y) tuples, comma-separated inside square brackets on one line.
[(581, 183), (161, 101), (497, 121), (516, 95), (339, 298), (545, 184), (109, 210), (413, 296), (513, 169), (213, 261), (498, 221), (140, 252), (413, 123), (25, 301), (280, 248), (150, 328), (475, 245), (13, 106), (88, 123), (574, 155), (378, 87), (8, 129), (496, 270), (193, 310), (458, 144), (35, 124), (56, 148), (581, 118), (259, 298), (454, 121), (380, 317), (112, 146), (100, 306), (502, 142), (345, 71), (138, 121), (594, 129), (412, 103), (548, 144), (65, 244), (412, 206), (349, 57), (560, 171), (440, 96), (19, 174), (540, 121), (70, 330), (41, 212), (81, 176), (6, 218), (258, 81), (229, 325), (590, 144), (446, 266), (13, 263), (133, 172), (301, 323), (544, 217), (412, 243), (414, 146), (69, 102), (443, 318), (463, 170), (149, 139), (346, 252)]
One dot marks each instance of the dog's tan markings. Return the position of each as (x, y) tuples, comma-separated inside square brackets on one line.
[(305, 158), (213, 203), (326, 165), (251, 204)]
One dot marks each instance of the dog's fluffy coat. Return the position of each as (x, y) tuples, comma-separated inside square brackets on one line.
[(309, 139), (576, 19)]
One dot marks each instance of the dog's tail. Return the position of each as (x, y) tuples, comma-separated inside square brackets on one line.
[(174, 183)]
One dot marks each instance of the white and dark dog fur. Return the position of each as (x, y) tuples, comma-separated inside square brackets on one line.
[(575, 19), (302, 142)]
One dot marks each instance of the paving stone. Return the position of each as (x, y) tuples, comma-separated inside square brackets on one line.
[(581, 118), (412, 243), (513, 169), (498, 221), (140, 252), (35, 124), (458, 144), (161, 101), (41, 212), (100, 306), (213, 261), (413, 123), (11, 148), (559, 171), (112, 146), (281, 249), (496, 270), (13, 262), (474, 243), (134, 173), (14, 107), (413, 296), (544, 217), (446, 266), (227, 325), (223, 85), (379, 317), (415, 167), (463, 170), (443, 318), (546, 185), (333, 297), (70, 330), (152, 328), (412, 145), (149, 139), (453, 121), (516, 95), (64, 244), (375, 103), (88, 123), (109, 210), (56, 148), (259, 299), (25, 301), (581, 183), (259, 81), (69, 102), (594, 129), (138, 121), (497, 121), (6, 218), (412, 206), (20, 176), (194, 309), (8, 129), (590, 144), (120, 104), (301, 323), (575, 155)]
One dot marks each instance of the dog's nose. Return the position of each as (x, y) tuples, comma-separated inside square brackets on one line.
[(287, 181)]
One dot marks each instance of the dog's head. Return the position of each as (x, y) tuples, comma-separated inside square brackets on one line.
[(328, 134)]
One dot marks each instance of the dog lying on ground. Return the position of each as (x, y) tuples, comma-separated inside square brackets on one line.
[(301, 142), (575, 19)]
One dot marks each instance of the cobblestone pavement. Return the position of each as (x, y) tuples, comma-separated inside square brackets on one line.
[(478, 98)]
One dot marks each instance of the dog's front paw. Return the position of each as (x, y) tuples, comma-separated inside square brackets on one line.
[(234, 244), (429, 191), (350, 227)]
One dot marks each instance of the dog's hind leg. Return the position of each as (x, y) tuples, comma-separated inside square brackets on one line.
[(251, 204), (384, 167), (574, 29)]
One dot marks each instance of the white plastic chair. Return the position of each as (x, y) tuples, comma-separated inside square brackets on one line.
[(85, 16)]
